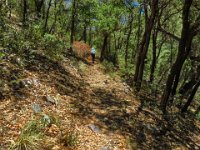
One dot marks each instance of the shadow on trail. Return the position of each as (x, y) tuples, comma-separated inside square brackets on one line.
[(143, 127)]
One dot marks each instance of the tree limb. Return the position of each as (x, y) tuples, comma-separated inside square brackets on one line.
[(169, 34)]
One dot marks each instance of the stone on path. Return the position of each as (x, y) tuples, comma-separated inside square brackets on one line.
[(51, 99), (36, 108), (94, 128)]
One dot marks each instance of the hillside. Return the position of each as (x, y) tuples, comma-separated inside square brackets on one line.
[(99, 75), (83, 100)]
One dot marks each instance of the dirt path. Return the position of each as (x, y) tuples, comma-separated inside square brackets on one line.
[(111, 105), (107, 104), (101, 109)]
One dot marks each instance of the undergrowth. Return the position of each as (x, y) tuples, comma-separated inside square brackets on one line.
[(32, 133)]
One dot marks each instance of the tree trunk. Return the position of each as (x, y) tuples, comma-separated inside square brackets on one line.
[(184, 48), (138, 36), (24, 12), (53, 26), (73, 23), (47, 17), (144, 45), (191, 97), (154, 60), (84, 34), (105, 43), (128, 39), (191, 81), (10, 8), (38, 7)]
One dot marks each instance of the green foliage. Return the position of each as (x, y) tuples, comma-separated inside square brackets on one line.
[(49, 119), (70, 139), (30, 137), (53, 46), (27, 142), (1, 55), (32, 133), (198, 115), (109, 67), (131, 143)]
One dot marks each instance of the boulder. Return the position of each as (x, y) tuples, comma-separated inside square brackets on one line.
[(51, 100), (36, 108)]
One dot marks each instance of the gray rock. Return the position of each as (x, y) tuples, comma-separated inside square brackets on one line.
[(36, 108), (19, 61), (105, 148), (50, 99), (26, 83), (46, 119), (46, 67), (35, 82), (20, 95), (94, 128), (126, 90)]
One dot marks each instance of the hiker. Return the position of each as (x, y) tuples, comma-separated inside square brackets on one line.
[(93, 51)]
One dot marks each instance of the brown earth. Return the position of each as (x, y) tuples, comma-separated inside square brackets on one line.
[(85, 96)]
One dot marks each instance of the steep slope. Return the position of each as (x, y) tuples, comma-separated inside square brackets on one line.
[(83, 99)]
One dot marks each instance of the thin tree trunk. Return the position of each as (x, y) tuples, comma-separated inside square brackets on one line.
[(138, 36), (128, 39), (183, 52), (103, 51), (10, 9), (84, 34), (55, 16), (73, 23), (24, 12), (47, 17), (191, 97), (154, 51), (38, 7), (144, 45), (184, 89), (90, 36)]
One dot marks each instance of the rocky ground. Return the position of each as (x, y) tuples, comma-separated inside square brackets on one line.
[(103, 111)]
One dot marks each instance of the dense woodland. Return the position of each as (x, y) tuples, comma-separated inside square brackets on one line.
[(153, 45)]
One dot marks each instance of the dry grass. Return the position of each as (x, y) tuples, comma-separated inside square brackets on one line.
[(81, 49)]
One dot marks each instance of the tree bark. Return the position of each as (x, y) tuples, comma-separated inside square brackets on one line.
[(191, 97), (73, 23), (144, 45), (47, 16), (184, 48), (103, 50), (191, 80), (128, 39), (154, 51), (53, 26), (24, 12), (38, 7), (84, 34)]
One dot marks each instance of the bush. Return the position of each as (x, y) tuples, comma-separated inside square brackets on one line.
[(32, 133), (54, 47), (109, 67), (30, 137), (27, 142), (70, 139)]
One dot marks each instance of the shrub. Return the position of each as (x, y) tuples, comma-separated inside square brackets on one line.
[(32, 133), (53, 47), (70, 139), (109, 67), (30, 137)]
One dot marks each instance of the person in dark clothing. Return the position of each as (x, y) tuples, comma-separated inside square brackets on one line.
[(93, 52)]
